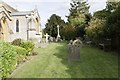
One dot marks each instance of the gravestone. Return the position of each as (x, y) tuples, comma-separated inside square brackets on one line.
[(74, 50), (51, 39)]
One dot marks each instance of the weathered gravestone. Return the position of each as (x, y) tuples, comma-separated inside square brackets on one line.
[(51, 39), (74, 50)]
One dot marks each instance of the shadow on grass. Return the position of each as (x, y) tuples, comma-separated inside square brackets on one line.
[(93, 63)]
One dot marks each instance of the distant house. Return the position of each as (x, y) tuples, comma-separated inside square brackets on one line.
[(16, 24)]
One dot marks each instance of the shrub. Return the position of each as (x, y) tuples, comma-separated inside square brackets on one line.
[(21, 53), (28, 45), (11, 55), (7, 59), (17, 42)]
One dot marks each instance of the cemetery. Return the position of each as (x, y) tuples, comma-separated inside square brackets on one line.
[(63, 60), (85, 46)]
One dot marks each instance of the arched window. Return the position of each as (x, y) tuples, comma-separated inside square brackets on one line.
[(17, 25)]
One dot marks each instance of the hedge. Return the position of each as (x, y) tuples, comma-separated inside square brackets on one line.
[(28, 45), (21, 53), (11, 55), (7, 58)]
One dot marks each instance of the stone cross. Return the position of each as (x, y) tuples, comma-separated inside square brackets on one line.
[(58, 35), (46, 37)]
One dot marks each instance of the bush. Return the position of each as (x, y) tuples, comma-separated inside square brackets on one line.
[(7, 59), (21, 53), (11, 55), (17, 42), (28, 45), (95, 30)]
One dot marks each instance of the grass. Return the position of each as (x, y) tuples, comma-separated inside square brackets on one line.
[(52, 62)]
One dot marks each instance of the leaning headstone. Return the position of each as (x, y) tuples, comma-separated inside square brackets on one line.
[(74, 50)]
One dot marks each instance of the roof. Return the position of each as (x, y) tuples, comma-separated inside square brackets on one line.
[(21, 13), (3, 10), (8, 8)]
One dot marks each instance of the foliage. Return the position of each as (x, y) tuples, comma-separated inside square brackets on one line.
[(112, 29), (11, 55), (105, 25), (68, 32), (51, 25), (112, 6), (21, 53), (95, 29), (7, 59), (79, 17), (28, 45), (102, 14), (77, 20), (78, 12)]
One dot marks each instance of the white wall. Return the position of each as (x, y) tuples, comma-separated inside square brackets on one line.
[(22, 28)]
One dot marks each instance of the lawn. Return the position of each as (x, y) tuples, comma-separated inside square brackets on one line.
[(52, 62)]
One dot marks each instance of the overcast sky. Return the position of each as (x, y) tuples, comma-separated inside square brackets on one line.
[(48, 7)]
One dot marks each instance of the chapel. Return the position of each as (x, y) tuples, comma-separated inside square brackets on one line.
[(16, 24)]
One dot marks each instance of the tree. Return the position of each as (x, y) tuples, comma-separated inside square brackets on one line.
[(51, 25), (79, 17), (68, 32), (78, 12), (102, 14), (112, 6), (112, 29), (95, 29), (105, 25)]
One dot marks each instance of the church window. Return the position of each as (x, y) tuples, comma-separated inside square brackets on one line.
[(17, 25)]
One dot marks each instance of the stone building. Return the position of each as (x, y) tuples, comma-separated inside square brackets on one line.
[(16, 24)]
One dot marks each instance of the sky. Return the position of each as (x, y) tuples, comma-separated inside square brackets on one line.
[(48, 7)]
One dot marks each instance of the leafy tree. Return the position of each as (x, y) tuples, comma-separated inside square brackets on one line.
[(102, 14), (78, 12), (79, 17), (112, 29), (105, 25), (68, 32), (112, 6), (51, 25), (95, 29)]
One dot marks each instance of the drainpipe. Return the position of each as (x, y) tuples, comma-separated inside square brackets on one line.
[(27, 18)]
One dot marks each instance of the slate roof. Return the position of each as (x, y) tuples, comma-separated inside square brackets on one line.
[(21, 13)]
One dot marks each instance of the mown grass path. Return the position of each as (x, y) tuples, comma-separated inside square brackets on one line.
[(52, 62)]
